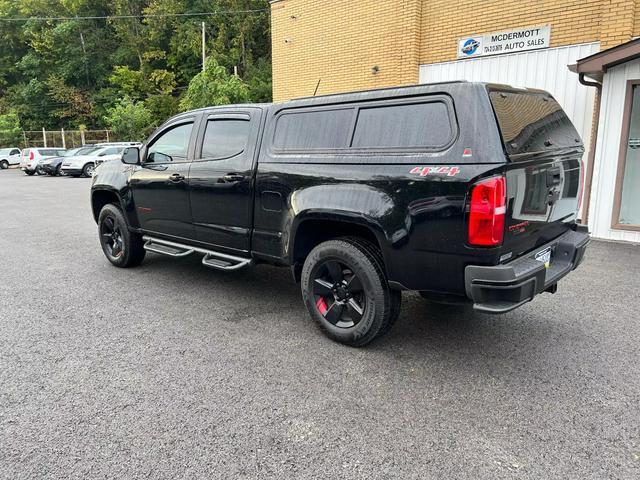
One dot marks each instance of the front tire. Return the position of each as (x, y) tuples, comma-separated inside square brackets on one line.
[(4, 165), (121, 247), (29, 172), (346, 292), (87, 170)]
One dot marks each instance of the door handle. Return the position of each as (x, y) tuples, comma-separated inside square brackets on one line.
[(233, 178), (176, 177)]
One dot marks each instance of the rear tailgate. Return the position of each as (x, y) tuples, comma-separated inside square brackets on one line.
[(544, 172)]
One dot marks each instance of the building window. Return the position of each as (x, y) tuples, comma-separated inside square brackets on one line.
[(626, 213)]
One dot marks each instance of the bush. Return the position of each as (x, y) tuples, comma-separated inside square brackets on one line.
[(129, 120), (214, 86), (10, 131)]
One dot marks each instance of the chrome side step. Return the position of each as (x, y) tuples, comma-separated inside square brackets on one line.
[(172, 251), (212, 259)]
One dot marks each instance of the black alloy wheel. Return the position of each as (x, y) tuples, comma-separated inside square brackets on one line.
[(122, 247), (346, 292), (111, 236), (339, 296)]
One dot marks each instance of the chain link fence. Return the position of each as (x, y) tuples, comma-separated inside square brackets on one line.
[(54, 138)]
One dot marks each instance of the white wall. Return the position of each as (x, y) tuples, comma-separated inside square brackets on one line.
[(605, 166)]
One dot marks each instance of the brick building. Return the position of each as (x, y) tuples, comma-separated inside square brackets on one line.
[(329, 46)]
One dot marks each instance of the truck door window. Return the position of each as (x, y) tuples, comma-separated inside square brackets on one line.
[(225, 138), (171, 146)]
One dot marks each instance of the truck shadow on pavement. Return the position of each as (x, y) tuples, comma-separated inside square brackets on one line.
[(424, 331)]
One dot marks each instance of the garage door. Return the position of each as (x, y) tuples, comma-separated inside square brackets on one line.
[(546, 69)]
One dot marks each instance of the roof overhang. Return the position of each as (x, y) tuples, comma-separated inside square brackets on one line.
[(595, 66)]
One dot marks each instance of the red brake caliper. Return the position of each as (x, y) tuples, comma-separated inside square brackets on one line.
[(321, 305)]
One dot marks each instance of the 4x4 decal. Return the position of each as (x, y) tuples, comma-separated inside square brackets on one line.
[(424, 171)]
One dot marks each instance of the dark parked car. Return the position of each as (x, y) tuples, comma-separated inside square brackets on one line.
[(52, 166), (465, 192)]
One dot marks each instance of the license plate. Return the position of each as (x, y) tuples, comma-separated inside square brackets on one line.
[(544, 256)]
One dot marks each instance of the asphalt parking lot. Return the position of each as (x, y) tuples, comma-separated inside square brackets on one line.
[(172, 370)]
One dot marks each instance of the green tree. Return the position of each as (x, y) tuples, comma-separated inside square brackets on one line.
[(10, 131), (71, 71), (214, 86), (129, 120), (74, 106)]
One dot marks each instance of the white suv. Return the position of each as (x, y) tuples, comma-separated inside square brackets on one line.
[(32, 156), (83, 165), (9, 156)]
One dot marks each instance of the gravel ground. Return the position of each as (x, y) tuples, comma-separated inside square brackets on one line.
[(172, 370)]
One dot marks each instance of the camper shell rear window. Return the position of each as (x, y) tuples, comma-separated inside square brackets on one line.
[(423, 124), (532, 121)]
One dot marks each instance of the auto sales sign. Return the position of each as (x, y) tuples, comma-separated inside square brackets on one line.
[(530, 38)]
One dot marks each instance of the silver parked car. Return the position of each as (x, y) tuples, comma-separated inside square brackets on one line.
[(83, 165)]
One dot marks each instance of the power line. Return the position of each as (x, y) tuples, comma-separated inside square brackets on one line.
[(124, 17)]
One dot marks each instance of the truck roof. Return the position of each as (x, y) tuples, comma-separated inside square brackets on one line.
[(372, 94)]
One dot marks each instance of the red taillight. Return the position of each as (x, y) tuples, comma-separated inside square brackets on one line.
[(31, 155), (486, 212)]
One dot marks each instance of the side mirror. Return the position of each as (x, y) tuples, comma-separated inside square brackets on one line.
[(131, 156)]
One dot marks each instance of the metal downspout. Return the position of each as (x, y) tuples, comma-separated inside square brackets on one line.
[(592, 147)]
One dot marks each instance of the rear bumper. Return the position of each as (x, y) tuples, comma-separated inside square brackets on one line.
[(501, 288)]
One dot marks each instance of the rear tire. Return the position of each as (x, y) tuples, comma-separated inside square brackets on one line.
[(87, 170), (4, 165), (346, 292), (29, 172), (121, 247)]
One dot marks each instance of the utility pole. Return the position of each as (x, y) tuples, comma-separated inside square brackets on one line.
[(203, 50)]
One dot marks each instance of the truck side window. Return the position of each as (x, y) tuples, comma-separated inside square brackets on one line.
[(15, 152), (225, 138), (171, 146), (315, 129), (417, 125)]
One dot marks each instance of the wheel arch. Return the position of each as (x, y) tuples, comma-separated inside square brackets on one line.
[(317, 227), (102, 197)]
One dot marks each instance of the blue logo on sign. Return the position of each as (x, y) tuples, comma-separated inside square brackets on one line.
[(470, 46)]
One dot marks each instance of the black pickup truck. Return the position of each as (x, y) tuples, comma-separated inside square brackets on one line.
[(465, 192)]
